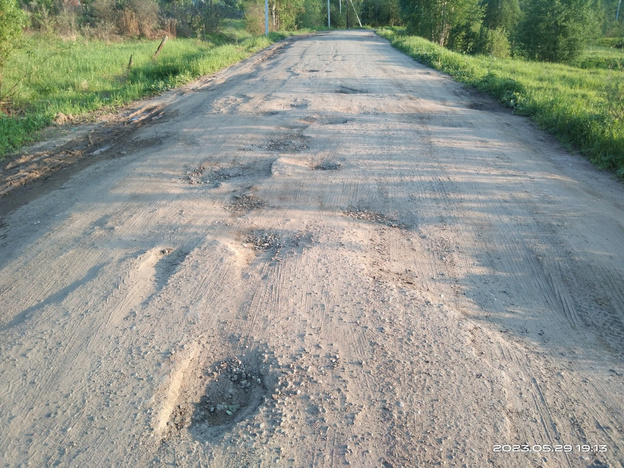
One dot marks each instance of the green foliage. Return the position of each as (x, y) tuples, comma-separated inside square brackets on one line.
[(501, 15), (500, 21), (614, 91), (615, 42), (493, 42), (599, 57), (381, 13), (464, 33), (283, 15), (310, 16), (453, 23), (12, 22), (254, 18), (555, 30), (583, 108)]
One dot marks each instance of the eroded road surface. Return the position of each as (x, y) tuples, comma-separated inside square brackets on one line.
[(327, 255)]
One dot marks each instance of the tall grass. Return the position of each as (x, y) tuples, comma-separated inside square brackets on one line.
[(77, 77), (582, 107), (608, 58)]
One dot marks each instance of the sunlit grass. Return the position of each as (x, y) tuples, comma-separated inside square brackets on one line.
[(80, 76), (579, 106), (600, 57)]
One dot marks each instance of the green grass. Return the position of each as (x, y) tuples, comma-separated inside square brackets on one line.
[(78, 77), (583, 108), (600, 57)]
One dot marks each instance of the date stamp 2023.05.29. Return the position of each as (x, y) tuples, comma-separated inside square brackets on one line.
[(549, 448)]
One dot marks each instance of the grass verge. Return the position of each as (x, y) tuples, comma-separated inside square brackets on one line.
[(77, 77), (583, 108)]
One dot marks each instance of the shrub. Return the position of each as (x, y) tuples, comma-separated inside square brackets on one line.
[(132, 18), (494, 42), (254, 18)]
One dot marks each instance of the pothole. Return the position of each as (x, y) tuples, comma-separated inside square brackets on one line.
[(476, 106), (194, 176), (264, 240), (334, 121), (372, 216), (275, 242), (299, 104), (218, 397), (244, 204), (347, 90), (285, 146), (201, 176), (327, 166), (234, 391)]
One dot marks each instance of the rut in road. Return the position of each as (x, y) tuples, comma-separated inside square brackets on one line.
[(326, 255)]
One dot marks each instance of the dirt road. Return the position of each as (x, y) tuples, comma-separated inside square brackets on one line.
[(327, 255)]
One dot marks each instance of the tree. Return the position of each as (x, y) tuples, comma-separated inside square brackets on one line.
[(311, 16), (555, 30), (500, 22), (381, 12), (446, 22), (501, 14), (284, 15)]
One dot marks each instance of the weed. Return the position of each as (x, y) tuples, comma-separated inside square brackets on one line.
[(614, 91)]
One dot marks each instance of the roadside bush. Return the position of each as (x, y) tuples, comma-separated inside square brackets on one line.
[(494, 42), (311, 15), (133, 19), (66, 22), (103, 20), (146, 16), (254, 18)]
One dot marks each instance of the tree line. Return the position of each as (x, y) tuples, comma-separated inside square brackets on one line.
[(549, 30)]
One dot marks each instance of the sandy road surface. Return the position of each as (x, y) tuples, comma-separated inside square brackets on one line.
[(328, 255)]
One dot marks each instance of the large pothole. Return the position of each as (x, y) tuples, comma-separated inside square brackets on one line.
[(230, 391), (235, 390)]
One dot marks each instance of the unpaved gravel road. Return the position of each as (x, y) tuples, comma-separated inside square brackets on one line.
[(327, 255)]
